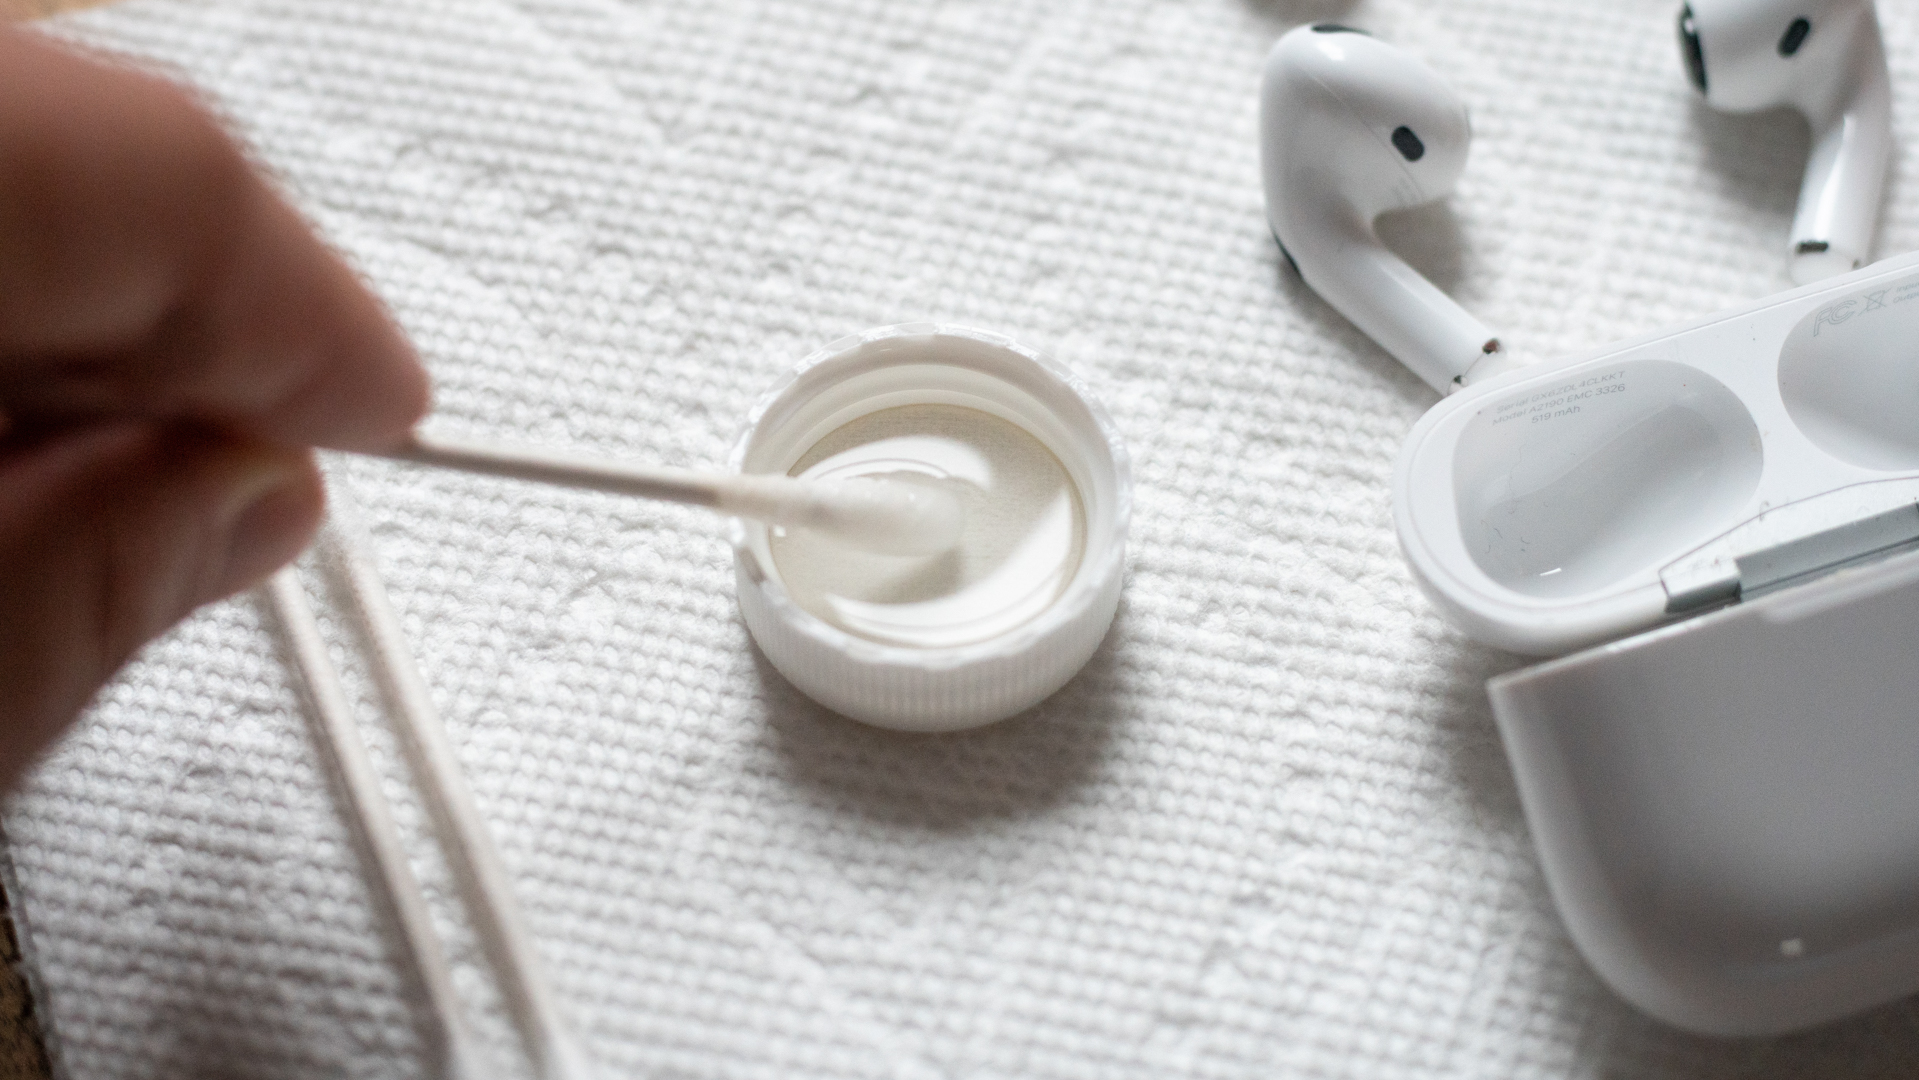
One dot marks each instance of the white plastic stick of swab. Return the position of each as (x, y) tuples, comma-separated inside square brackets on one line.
[(557, 1053), (893, 516), (372, 818)]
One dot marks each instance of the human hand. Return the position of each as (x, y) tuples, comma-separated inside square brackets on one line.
[(173, 341)]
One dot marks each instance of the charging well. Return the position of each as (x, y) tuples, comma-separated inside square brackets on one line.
[(1565, 504)]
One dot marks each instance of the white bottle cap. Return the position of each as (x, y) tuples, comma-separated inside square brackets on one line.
[(961, 686)]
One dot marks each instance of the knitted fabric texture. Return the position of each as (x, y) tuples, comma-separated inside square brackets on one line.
[(1269, 831)]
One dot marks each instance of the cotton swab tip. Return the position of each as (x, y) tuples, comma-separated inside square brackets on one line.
[(898, 514)]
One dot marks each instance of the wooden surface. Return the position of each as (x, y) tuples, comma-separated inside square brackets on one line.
[(23, 1056)]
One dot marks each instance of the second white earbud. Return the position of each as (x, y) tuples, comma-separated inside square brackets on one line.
[(1824, 58), (1350, 128)]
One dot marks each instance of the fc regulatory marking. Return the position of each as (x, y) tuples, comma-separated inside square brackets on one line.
[(1834, 314)]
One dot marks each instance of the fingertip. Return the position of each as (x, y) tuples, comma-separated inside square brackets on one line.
[(367, 397), (334, 366), (409, 391), (215, 512), (274, 507), (112, 533)]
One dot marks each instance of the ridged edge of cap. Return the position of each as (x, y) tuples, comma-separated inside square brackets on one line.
[(933, 690)]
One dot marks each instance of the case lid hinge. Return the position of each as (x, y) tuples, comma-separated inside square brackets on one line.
[(1796, 542)]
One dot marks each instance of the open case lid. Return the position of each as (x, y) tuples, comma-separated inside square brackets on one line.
[(1727, 808)]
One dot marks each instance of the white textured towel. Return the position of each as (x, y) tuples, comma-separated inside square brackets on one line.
[(1268, 832)]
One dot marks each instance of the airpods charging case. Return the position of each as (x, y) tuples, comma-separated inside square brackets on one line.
[(1724, 784)]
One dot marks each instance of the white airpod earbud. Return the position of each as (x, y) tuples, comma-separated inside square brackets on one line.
[(1352, 127), (1824, 58)]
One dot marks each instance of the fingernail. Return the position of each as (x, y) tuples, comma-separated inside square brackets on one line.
[(274, 517)]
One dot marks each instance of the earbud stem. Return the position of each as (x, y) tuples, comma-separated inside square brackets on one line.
[(1388, 300), (1832, 229)]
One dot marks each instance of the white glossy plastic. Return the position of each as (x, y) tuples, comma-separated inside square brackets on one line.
[(960, 686), (1826, 59), (1352, 127), (1556, 507), (1725, 807)]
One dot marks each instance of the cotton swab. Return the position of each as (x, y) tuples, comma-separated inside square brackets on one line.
[(372, 819), (484, 884), (907, 515)]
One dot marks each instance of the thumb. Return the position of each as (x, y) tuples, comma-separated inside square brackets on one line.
[(109, 535)]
